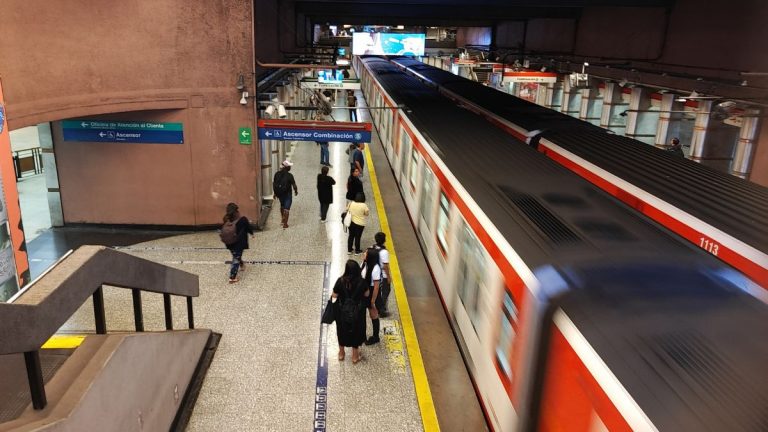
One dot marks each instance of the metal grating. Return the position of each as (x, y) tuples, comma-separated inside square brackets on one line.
[(547, 222), (699, 369)]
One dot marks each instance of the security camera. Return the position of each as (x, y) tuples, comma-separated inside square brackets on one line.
[(270, 111), (281, 112), (244, 99)]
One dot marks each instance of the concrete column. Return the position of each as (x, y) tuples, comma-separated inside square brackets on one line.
[(571, 100), (51, 174), (742, 159), (642, 118), (613, 105), (591, 106), (665, 116), (544, 95), (634, 106), (266, 168), (700, 130)]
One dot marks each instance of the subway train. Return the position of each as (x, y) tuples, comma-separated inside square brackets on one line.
[(722, 214), (573, 312)]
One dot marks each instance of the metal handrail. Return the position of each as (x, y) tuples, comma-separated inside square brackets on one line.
[(49, 301)]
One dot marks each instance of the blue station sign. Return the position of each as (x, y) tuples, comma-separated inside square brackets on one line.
[(123, 131), (291, 130)]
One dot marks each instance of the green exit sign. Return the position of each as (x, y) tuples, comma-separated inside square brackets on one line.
[(245, 134)]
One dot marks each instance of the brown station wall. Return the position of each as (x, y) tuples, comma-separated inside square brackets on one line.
[(160, 61)]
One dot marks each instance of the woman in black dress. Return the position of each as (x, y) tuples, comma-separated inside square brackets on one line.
[(351, 294), (354, 185), (324, 191)]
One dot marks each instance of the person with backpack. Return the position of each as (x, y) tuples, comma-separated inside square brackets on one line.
[(351, 294), (354, 185), (234, 235), (324, 191), (359, 211), (281, 187), (372, 275), (383, 259)]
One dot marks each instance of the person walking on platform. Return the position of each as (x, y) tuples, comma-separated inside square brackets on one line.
[(352, 104), (324, 153), (324, 191), (354, 185), (372, 275), (675, 148), (359, 159), (351, 154), (351, 294), (281, 185), (360, 212), (234, 234), (383, 259)]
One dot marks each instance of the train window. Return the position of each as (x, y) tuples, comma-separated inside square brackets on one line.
[(404, 155), (471, 275), (506, 334), (426, 197), (442, 223), (414, 167)]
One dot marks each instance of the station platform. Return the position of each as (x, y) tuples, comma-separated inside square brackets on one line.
[(276, 367)]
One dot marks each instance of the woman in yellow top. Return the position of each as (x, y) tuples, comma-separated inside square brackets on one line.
[(359, 211)]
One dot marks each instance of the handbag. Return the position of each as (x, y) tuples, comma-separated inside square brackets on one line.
[(329, 314), (346, 218)]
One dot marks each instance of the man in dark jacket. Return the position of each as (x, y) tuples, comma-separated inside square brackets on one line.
[(281, 185), (675, 148), (324, 192)]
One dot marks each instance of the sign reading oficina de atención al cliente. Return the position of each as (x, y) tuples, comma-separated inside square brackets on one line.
[(123, 131)]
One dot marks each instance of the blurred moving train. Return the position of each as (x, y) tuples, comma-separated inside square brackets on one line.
[(573, 311), (722, 214)]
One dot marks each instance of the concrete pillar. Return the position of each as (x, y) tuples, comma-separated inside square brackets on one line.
[(613, 105), (51, 174), (571, 100), (665, 117), (557, 95), (759, 170), (634, 106), (642, 118), (742, 159), (545, 94), (266, 169), (700, 130), (591, 106)]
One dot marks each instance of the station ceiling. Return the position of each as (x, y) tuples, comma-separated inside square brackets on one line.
[(451, 12)]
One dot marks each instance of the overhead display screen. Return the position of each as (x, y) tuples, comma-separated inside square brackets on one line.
[(409, 44)]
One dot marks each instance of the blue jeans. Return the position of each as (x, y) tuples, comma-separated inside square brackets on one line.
[(237, 257), (324, 154)]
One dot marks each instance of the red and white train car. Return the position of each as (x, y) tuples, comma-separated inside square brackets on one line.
[(574, 312)]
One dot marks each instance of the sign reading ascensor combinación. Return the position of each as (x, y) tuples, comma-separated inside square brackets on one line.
[(292, 130), (123, 131)]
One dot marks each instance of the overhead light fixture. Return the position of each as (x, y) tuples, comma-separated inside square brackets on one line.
[(240, 86), (270, 111), (623, 82)]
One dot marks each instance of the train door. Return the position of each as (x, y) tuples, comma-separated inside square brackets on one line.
[(405, 151), (427, 207)]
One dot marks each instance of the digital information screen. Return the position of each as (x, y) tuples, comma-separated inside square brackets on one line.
[(408, 44)]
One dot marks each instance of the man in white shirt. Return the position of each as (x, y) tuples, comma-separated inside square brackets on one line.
[(385, 287)]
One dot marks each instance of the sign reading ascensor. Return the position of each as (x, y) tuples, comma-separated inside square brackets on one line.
[(291, 130), (123, 131)]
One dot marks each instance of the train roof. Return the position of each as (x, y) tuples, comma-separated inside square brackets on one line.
[(695, 341), (548, 213), (728, 203)]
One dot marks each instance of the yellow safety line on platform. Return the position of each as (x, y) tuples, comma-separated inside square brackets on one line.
[(423, 393), (63, 341)]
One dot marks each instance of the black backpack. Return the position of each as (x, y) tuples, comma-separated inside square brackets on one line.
[(228, 232), (349, 310), (280, 186)]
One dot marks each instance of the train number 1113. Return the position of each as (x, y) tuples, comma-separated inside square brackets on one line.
[(709, 246)]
